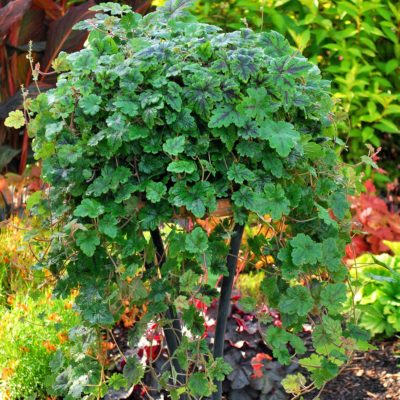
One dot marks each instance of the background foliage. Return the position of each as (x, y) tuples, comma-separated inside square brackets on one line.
[(376, 280), (375, 219), (355, 43), (32, 328)]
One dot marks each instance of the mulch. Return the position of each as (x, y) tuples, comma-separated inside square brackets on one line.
[(371, 375)]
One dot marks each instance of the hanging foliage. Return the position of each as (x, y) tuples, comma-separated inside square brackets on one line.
[(151, 128)]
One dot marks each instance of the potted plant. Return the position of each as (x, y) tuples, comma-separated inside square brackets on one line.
[(162, 119)]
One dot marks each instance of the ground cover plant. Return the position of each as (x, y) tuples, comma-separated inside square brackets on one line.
[(32, 327), (356, 44), (160, 123), (376, 280)]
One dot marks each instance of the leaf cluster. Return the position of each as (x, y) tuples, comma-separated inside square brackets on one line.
[(359, 52), (156, 121)]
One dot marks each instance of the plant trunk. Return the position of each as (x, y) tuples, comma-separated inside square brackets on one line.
[(225, 299)]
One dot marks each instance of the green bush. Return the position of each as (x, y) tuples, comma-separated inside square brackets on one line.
[(32, 328), (376, 280), (355, 43), (160, 121)]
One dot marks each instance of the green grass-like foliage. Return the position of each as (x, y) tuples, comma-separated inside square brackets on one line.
[(32, 328), (162, 114)]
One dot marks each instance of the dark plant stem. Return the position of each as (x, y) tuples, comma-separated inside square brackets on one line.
[(160, 253), (225, 299), (173, 331)]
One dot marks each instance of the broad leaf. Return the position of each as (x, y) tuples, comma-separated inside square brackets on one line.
[(297, 300), (196, 242), (223, 116), (89, 208), (305, 250), (280, 135), (87, 241)]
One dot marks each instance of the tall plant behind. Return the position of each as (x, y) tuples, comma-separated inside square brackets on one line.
[(356, 44)]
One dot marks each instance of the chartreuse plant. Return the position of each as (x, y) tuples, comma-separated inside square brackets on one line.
[(32, 328), (155, 123), (376, 280)]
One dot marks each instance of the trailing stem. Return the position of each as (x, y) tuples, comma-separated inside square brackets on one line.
[(173, 332), (225, 299)]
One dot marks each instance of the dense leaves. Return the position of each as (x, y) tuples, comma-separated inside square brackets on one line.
[(376, 281), (149, 128), (356, 44), (375, 220)]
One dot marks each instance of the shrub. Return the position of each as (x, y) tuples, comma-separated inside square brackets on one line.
[(32, 328), (376, 280), (17, 256), (162, 122), (355, 43)]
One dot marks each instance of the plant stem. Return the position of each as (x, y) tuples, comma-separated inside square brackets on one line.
[(160, 253), (172, 332), (225, 299)]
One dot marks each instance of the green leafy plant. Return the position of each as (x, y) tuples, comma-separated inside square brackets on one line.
[(151, 129), (17, 257), (356, 43), (376, 280), (32, 328), (35, 32)]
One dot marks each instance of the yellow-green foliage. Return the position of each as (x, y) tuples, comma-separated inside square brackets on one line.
[(249, 284), (32, 328), (376, 280), (17, 256)]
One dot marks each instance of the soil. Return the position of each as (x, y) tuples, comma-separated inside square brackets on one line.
[(371, 375)]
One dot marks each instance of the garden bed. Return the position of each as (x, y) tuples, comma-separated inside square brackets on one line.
[(370, 375)]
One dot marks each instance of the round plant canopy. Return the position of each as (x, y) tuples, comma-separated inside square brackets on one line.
[(151, 126)]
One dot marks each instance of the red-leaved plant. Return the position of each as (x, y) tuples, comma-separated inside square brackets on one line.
[(375, 219)]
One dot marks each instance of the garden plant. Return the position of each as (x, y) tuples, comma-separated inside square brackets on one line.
[(159, 124), (376, 280)]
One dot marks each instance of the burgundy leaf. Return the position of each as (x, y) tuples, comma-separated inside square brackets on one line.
[(241, 324), (11, 13), (32, 28), (61, 37), (143, 8), (50, 7)]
